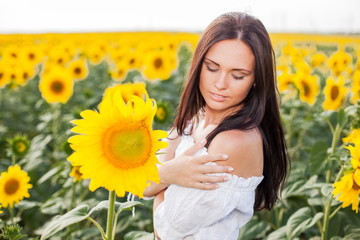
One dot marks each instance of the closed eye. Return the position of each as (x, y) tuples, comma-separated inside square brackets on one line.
[(238, 77), (211, 69)]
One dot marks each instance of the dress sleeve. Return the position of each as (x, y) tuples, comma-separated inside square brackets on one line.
[(186, 210)]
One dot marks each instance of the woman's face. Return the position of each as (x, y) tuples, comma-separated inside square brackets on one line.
[(227, 74)]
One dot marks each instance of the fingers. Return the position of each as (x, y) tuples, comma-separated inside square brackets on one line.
[(206, 182), (210, 158), (207, 169), (213, 179), (206, 186), (196, 147)]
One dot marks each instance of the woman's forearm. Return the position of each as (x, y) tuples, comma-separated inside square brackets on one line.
[(155, 188)]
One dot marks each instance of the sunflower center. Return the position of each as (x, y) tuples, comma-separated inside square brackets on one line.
[(25, 75), (11, 186), (127, 148), (334, 92), (1, 75), (306, 88), (132, 61), (20, 147), (158, 63), (77, 70), (57, 86), (31, 56)]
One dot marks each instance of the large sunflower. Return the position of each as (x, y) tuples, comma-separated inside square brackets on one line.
[(14, 186), (116, 146), (56, 86), (335, 92)]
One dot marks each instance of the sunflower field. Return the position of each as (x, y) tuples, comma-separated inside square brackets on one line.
[(82, 113)]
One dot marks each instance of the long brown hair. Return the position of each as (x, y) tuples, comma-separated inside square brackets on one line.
[(260, 107)]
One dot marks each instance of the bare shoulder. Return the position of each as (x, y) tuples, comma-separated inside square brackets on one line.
[(244, 148), (169, 153)]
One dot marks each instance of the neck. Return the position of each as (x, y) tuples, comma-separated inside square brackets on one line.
[(212, 117)]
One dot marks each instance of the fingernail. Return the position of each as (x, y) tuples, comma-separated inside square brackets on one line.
[(203, 141), (230, 169), (225, 156), (226, 179)]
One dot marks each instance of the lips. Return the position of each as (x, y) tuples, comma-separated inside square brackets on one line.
[(218, 97)]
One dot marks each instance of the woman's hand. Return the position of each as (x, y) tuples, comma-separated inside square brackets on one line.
[(189, 171)]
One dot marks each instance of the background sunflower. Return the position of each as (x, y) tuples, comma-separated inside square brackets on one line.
[(14, 186)]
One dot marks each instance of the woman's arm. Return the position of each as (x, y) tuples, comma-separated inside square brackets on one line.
[(245, 151), (166, 155), (189, 171)]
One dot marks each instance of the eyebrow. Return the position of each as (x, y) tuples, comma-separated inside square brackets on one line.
[(234, 69)]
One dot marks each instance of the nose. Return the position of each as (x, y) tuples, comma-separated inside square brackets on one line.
[(221, 82)]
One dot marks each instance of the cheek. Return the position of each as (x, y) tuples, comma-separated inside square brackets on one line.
[(242, 90)]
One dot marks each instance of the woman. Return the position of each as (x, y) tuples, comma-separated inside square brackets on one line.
[(229, 100)]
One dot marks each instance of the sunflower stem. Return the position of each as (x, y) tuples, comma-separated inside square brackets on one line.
[(13, 159), (73, 195), (335, 211), (12, 215), (327, 208), (55, 127), (111, 216), (101, 230)]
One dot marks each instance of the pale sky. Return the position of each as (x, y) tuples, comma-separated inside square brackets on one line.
[(41, 16)]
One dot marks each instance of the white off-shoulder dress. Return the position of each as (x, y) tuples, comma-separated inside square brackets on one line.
[(194, 214)]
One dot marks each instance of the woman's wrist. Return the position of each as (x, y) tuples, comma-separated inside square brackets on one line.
[(163, 174)]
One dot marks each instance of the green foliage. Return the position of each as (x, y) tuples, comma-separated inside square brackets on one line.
[(58, 206), (12, 232), (81, 213)]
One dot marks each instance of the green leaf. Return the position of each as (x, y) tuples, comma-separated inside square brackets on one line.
[(354, 233), (279, 234), (53, 206), (60, 222), (327, 189), (80, 213), (318, 156), (126, 206), (54, 171), (254, 230), (300, 221), (341, 117), (139, 235)]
